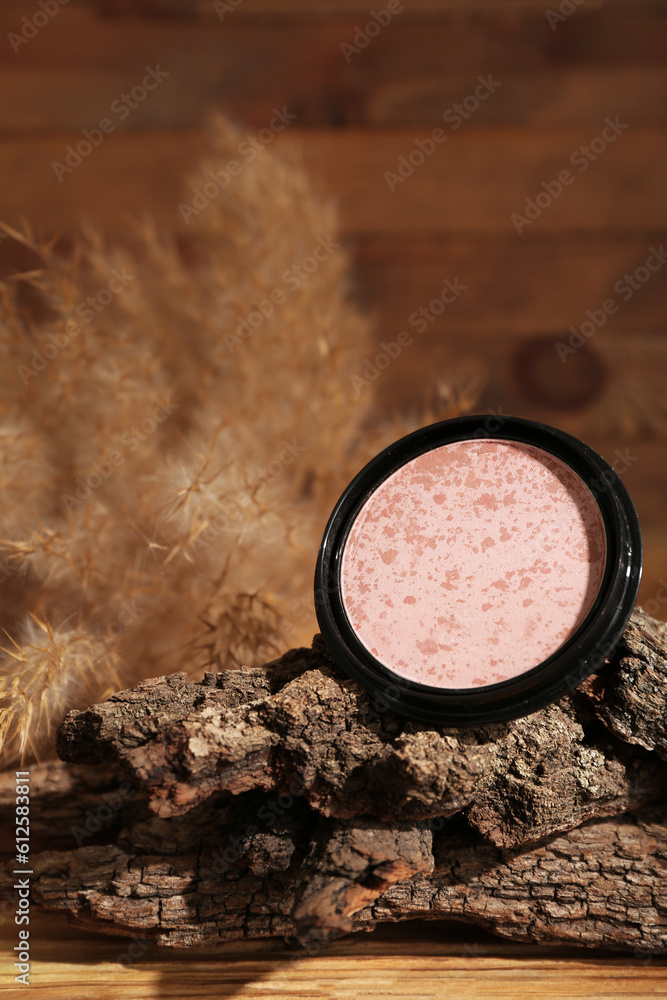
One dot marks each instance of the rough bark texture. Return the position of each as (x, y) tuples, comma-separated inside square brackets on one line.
[(281, 800), (69, 797), (226, 873)]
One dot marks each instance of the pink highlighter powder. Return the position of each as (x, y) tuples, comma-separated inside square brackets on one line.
[(473, 563)]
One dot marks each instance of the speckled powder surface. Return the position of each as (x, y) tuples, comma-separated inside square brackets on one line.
[(473, 563)]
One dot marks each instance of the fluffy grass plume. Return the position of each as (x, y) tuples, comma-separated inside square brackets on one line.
[(177, 419)]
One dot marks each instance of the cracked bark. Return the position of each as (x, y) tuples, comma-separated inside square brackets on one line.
[(282, 800)]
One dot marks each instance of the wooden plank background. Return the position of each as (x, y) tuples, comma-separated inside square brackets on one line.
[(450, 219)]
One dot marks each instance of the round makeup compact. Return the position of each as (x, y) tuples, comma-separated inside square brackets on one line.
[(477, 570)]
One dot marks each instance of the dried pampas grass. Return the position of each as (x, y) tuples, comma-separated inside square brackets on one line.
[(177, 421)]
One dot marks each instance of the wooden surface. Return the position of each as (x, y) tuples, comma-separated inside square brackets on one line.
[(450, 219), (418, 961)]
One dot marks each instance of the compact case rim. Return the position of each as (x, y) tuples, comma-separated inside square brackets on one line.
[(584, 652)]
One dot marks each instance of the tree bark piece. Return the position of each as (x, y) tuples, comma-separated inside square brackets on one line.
[(74, 803), (283, 800), (631, 700), (298, 726), (603, 884)]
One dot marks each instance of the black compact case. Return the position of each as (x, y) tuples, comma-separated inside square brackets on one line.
[(582, 654)]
